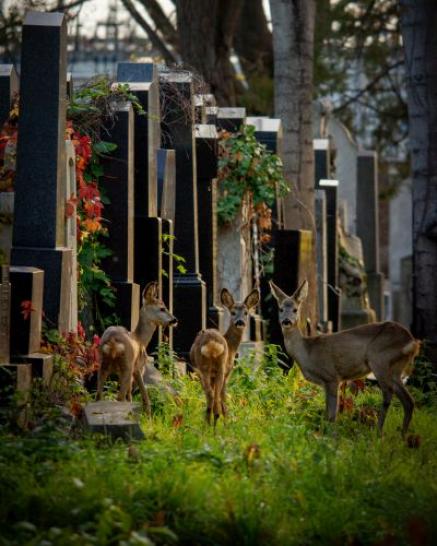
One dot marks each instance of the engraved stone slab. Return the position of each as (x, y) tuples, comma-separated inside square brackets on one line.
[(114, 419)]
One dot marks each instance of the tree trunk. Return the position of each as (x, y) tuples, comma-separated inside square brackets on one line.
[(293, 47), (206, 32), (419, 24)]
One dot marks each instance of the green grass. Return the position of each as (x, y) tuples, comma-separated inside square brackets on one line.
[(275, 474)]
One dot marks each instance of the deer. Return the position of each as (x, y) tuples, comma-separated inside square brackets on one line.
[(386, 349), (212, 354), (123, 353)]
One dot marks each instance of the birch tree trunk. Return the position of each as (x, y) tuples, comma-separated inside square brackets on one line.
[(419, 32), (293, 49)]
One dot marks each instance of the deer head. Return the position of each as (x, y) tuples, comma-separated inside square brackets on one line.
[(289, 306), (239, 310), (154, 309)]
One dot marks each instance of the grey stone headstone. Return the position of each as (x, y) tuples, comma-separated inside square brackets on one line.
[(9, 85), (166, 169), (136, 72), (322, 254), (114, 419)]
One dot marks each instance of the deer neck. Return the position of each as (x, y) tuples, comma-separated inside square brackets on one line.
[(233, 338), (144, 331), (297, 346)]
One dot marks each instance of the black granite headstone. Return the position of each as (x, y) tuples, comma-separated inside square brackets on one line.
[(230, 119), (206, 152), (177, 127), (118, 184), (9, 85), (39, 213)]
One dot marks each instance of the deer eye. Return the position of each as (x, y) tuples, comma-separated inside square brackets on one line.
[(233, 313), (295, 310), (281, 309)]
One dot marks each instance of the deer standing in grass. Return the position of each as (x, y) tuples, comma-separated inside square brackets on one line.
[(123, 353), (212, 354), (385, 348)]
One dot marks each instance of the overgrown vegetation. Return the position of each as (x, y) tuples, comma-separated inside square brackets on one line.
[(277, 473)]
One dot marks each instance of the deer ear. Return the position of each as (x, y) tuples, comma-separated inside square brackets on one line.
[(150, 292), (277, 293), (226, 298), (302, 292), (252, 299)]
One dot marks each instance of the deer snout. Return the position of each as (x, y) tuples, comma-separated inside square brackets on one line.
[(173, 322), (286, 322), (240, 323)]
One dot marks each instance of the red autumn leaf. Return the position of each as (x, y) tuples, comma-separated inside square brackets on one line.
[(26, 309), (89, 192)]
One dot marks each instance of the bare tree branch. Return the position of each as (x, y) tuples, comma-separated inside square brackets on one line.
[(369, 86), (156, 40), (161, 21), (73, 4)]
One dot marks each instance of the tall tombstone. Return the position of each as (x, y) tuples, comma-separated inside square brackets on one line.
[(207, 150), (39, 211), (323, 181), (178, 134), (230, 119), (143, 83), (166, 180), (368, 226), (9, 85), (293, 253), (118, 183), (322, 256), (71, 229)]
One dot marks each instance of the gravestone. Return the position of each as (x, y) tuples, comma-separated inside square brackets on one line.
[(211, 114), (230, 119), (207, 150), (293, 254), (322, 257), (324, 181), (166, 179), (70, 85), (14, 378), (178, 133), (39, 210), (368, 226), (118, 186), (9, 86), (201, 103), (114, 419), (143, 83)]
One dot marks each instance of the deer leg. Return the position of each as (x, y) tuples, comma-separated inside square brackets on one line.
[(125, 383), (218, 391), (144, 395), (406, 401), (331, 391), (102, 376), (209, 394), (387, 395)]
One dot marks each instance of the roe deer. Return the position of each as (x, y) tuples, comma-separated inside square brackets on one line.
[(212, 354), (385, 348), (124, 353)]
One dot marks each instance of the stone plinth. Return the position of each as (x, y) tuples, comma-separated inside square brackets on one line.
[(114, 419)]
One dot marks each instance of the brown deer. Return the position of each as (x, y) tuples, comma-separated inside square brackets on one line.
[(123, 353), (212, 354), (385, 348)]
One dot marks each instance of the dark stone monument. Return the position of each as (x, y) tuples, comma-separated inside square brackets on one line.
[(211, 114), (70, 85), (177, 126), (39, 214), (293, 253), (9, 85), (322, 257), (230, 119), (368, 227), (206, 153), (119, 188), (324, 181)]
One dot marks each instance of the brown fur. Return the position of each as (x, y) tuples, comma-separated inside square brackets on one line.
[(386, 349), (212, 354), (123, 353)]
